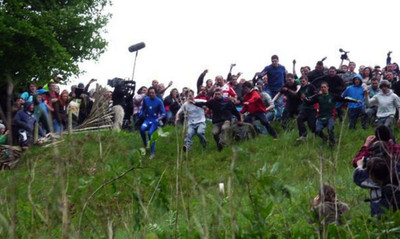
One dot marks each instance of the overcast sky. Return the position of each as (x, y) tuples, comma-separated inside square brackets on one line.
[(185, 37)]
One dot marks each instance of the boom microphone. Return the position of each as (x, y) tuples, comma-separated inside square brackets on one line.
[(136, 47)]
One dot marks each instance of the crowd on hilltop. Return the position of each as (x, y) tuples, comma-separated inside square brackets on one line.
[(317, 96)]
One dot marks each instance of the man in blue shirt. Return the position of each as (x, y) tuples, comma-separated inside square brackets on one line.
[(152, 111), (356, 91), (276, 79)]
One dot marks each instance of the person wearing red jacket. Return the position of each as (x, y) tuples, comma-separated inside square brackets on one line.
[(252, 103)]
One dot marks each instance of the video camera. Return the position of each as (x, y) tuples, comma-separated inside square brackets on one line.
[(121, 83), (344, 55)]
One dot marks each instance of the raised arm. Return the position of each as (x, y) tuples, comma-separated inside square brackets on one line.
[(200, 80)]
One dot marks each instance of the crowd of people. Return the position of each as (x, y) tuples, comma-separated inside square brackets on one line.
[(317, 96)]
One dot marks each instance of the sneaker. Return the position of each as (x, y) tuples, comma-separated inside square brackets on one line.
[(184, 148), (152, 156), (301, 138)]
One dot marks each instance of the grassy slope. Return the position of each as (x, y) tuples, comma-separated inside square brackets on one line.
[(272, 185)]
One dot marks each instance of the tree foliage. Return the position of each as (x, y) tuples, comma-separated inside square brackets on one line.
[(41, 38)]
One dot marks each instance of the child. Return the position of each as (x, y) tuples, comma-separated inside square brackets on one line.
[(326, 206)]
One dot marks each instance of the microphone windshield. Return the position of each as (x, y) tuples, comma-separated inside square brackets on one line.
[(136, 47)]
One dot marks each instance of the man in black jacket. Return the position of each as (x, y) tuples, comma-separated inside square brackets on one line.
[(222, 111)]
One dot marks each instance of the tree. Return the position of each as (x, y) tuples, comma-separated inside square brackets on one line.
[(42, 38)]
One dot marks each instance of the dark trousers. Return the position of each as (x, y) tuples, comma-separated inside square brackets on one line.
[(354, 113), (289, 112), (309, 116), (263, 119)]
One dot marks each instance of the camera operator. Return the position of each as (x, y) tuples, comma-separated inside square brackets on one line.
[(379, 174), (378, 146), (382, 133), (122, 95)]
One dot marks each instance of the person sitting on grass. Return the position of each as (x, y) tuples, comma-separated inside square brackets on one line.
[(327, 208)]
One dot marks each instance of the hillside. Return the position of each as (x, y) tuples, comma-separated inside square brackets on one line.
[(99, 185)]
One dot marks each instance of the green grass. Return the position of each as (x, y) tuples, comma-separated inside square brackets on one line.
[(269, 186)]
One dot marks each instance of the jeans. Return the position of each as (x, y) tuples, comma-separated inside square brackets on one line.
[(354, 113), (200, 130), (321, 124), (263, 119), (371, 114), (57, 126), (386, 121), (278, 103)]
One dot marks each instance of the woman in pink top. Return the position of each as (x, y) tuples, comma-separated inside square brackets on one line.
[(137, 104)]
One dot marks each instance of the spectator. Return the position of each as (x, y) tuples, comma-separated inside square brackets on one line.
[(327, 208), (238, 88), (40, 112), (349, 75), (361, 70), (60, 112), (3, 134), (202, 94), (182, 96), (172, 103), (390, 77), (378, 174), (367, 75), (384, 134), (227, 90), (200, 80), (28, 95), (137, 104), (210, 88), (160, 88), (24, 122)]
